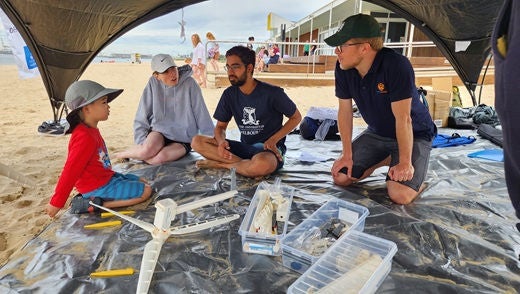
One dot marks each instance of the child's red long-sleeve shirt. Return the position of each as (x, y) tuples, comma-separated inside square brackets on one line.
[(87, 167)]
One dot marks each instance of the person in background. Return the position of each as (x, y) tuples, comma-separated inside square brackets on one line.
[(213, 51), (262, 58), (170, 113), (400, 130), (198, 60), (306, 48), (274, 55), (313, 47), (258, 109), (88, 166), (250, 41), (506, 53)]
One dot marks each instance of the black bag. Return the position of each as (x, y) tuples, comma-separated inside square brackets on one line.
[(491, 133), (309, 127)]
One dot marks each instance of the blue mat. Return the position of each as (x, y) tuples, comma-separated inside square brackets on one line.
[(490, 154)]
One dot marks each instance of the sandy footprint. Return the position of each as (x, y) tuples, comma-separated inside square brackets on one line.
[(23, 203), (3, 241)]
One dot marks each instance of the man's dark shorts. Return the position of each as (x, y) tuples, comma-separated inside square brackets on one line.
[(246, 151), (369, 149)]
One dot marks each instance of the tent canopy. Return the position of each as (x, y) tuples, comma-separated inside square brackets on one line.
[(65, 36), (448, 23)]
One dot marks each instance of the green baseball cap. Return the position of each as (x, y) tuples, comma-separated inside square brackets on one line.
[(355, 26)]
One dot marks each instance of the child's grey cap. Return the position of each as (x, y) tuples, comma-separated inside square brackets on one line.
[(81, 93)]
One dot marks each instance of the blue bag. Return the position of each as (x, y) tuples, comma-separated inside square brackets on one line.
[(455, 139)]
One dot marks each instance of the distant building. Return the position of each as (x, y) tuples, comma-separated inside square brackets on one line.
[(325, 21)]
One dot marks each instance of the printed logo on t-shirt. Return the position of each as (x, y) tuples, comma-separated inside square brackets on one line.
[(249, 116), (381, 89), (250, 125), (104, 159)]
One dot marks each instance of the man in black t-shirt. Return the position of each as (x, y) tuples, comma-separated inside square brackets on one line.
[(258, 109)]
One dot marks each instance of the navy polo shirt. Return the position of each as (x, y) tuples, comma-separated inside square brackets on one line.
[(391, 78)]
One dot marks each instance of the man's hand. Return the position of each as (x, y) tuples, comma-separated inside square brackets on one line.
[(401, 172), (340, 163), (270, 144), (223, 150)]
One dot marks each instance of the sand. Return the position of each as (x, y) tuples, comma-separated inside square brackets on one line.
[(41, 158)]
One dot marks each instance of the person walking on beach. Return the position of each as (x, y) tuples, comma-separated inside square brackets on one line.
[(213, 51), (88, 166), (171, 111), (198, 60), (382, 84), (258, 109)]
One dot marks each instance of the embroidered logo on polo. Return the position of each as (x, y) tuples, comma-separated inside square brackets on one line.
[(381, 89)]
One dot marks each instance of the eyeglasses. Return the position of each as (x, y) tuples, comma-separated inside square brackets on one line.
[(232, 67), (339, 48)]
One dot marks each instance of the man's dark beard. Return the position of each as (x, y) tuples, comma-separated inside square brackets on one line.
[(240, 80), (238, 83)]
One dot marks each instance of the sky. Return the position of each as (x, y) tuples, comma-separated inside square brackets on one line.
[(226, 19)]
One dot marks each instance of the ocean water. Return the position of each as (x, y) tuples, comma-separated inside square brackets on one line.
[(8, 59)]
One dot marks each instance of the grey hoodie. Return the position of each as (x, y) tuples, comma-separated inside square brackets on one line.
[(178, 112)]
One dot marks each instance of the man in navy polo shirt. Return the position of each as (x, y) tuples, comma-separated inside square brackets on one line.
[(400, 129), (258, 109)]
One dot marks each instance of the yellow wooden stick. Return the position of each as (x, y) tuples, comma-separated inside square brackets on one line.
[(103, 225), (113, 273), (109, 214)]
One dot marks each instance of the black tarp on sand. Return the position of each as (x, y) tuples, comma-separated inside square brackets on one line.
[(459, 237)]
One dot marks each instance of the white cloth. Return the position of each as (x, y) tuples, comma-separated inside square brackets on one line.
[(323, 113)]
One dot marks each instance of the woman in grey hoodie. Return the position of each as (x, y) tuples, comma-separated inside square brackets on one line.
[(171, 112)]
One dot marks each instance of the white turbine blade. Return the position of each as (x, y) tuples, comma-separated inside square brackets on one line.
[(150, 256), (205, 201), (144, 225), (195, 227), (14, 175)]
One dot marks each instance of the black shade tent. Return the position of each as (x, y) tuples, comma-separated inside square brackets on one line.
[(65, 35), (446, 22)]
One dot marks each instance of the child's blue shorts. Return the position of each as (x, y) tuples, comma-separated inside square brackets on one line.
[(120, 187)]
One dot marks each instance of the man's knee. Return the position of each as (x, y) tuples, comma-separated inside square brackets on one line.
[(400, 193), (263, 163), (342, 180), (198, 142)]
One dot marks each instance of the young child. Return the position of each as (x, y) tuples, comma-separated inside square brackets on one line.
[(88, 166)]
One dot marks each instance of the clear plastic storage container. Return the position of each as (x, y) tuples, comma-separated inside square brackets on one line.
[(356, 263), (304, 244), (265, 222)]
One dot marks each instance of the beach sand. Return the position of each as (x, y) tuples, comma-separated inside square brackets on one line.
[(41, 158)]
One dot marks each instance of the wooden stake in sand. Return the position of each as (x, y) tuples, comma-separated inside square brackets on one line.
[(14, 175)]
